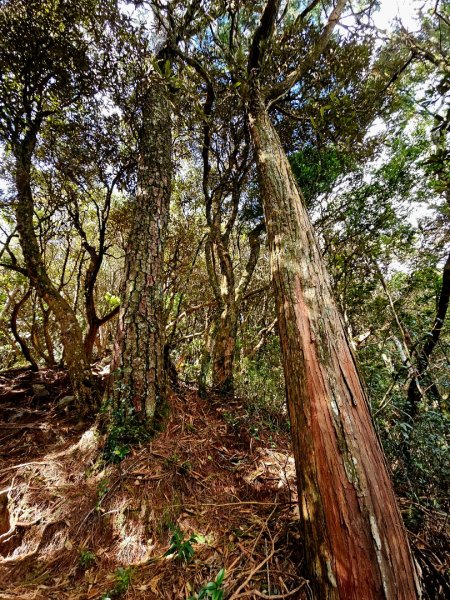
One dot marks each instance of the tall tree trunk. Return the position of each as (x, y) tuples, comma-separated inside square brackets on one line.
[(80, 375), (355, 541), (139, 379), (230, 296)]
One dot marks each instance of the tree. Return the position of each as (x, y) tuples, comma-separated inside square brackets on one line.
[(139, 380), (46, 67), (429, 48), (354, 537), (90, 159), (223, 190)]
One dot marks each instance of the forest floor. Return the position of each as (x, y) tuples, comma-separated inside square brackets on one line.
[(72, 527)]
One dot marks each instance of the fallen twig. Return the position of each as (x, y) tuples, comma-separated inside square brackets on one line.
[(271, 597)]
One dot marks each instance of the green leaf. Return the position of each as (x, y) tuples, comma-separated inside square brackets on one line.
[(220, 577), (211, 586)]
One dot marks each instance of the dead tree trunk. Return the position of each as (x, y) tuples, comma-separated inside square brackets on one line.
[(139, 381), (354, 537)]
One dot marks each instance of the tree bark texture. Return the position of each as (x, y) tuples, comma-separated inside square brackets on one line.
[(80, 374), (355, 541), (139, 379)]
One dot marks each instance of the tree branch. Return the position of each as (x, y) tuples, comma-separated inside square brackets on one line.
[(281, 89), (262, 34)]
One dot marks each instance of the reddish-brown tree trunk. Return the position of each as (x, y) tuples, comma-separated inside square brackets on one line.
[(355, 541), (139, 380)]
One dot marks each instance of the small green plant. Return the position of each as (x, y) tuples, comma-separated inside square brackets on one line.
[(181, 547), (231, 419), (102, 490), (86, 558), (185, 467), (213, 589), (123, 578), (172, 460), (254, 431), (126, 427)]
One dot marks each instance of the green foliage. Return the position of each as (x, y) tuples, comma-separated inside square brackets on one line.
[(317, 170), (125, 429), (86, 558), (57, 61), (181, 547), (387, 378), (212, 590), (111, 300), (429, 468), (123, 577), (258, 377)]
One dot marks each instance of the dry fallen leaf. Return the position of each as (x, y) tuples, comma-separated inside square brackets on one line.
[(153, 584)]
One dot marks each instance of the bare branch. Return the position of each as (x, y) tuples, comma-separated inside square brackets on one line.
[(281, 89), (7, 242)]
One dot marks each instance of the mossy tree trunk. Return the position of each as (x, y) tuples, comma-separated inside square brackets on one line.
[(230, 301), (224, 349), (138, 379)]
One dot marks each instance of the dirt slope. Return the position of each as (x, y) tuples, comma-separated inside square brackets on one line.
[(73, 527)]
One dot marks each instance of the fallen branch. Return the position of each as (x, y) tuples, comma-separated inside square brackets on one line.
[(253, 572), (259, 594)]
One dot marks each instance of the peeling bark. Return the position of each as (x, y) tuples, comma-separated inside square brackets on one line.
[(355, 541)]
